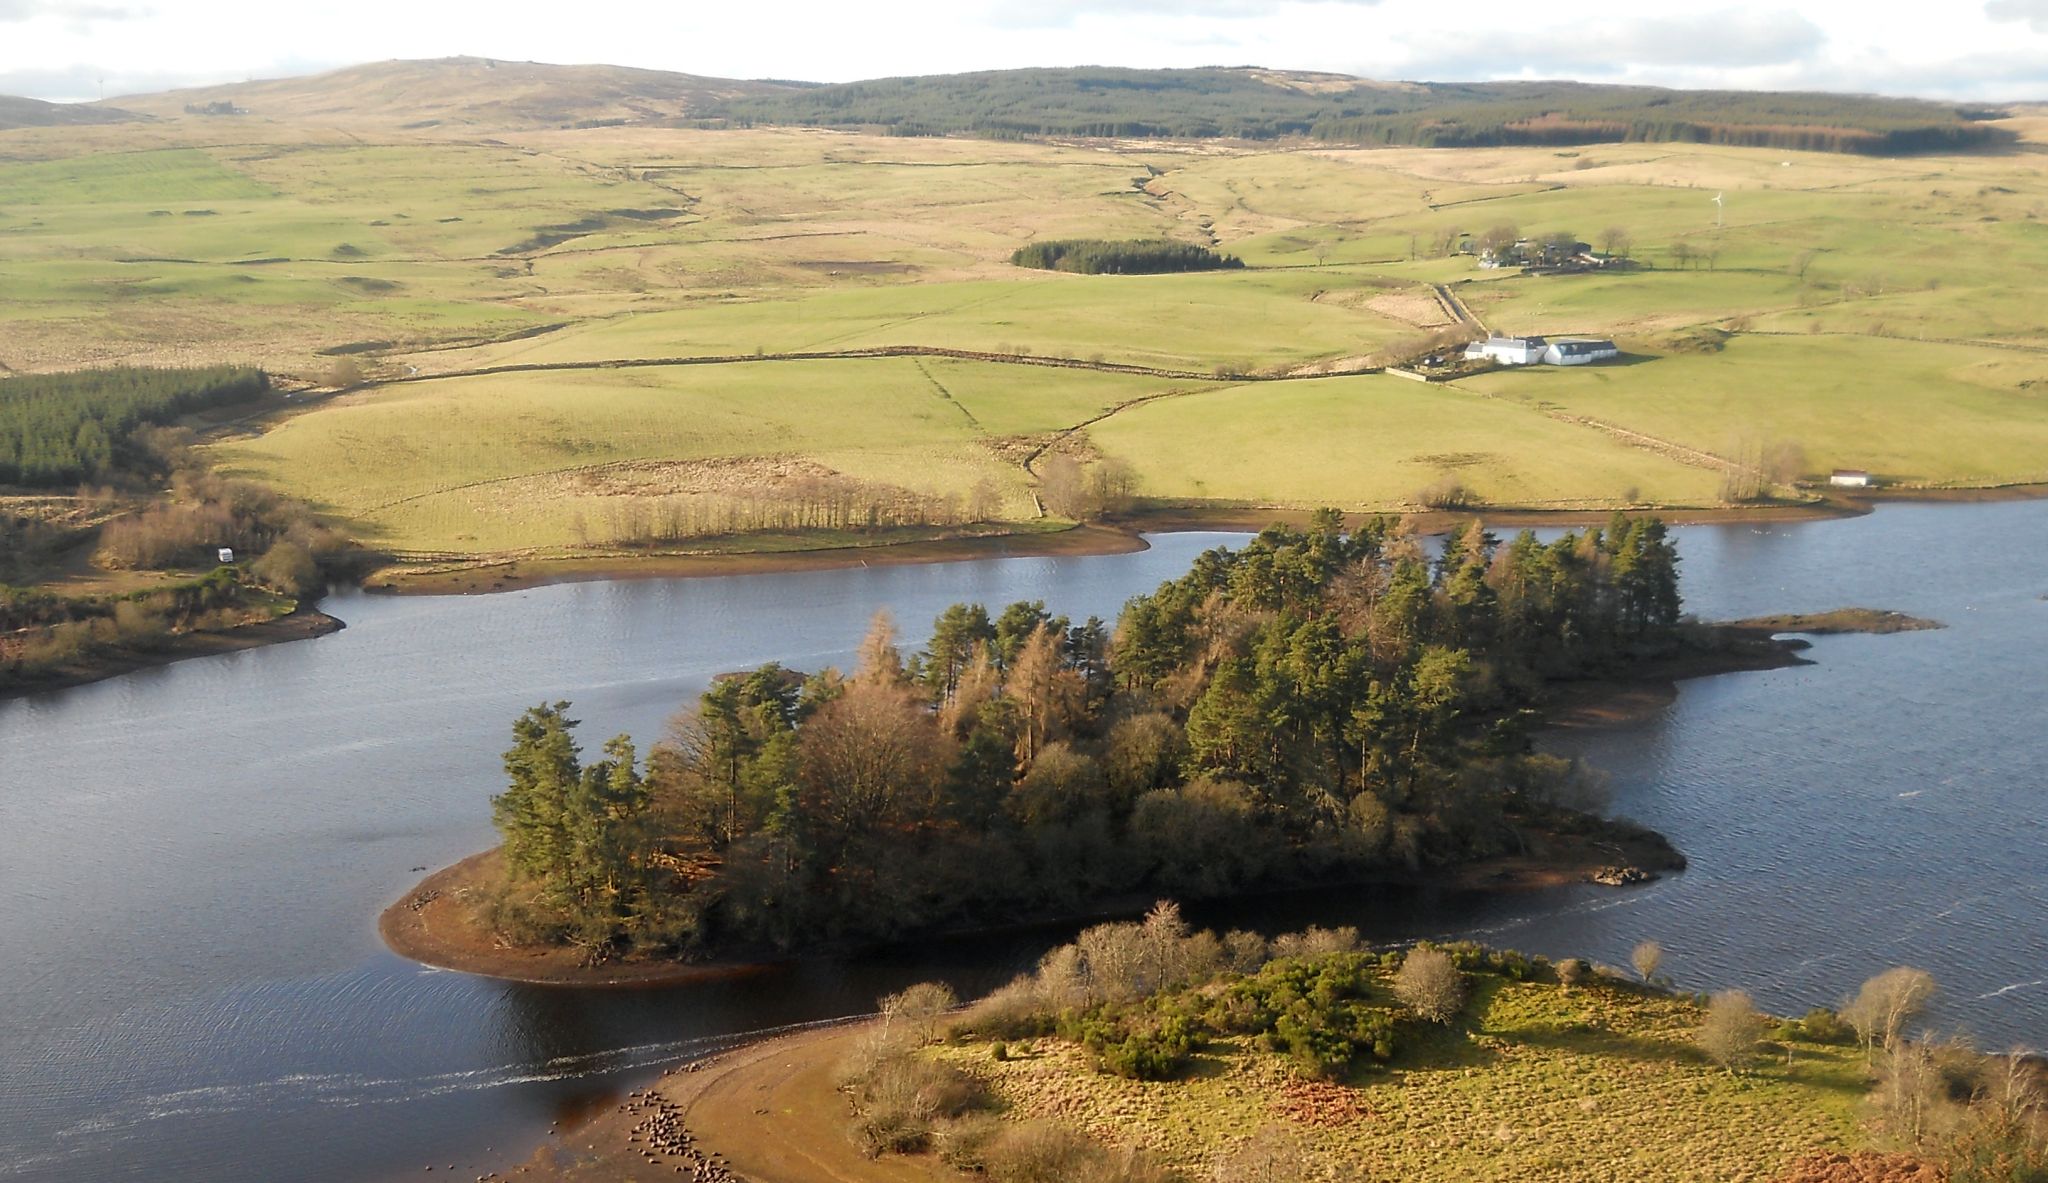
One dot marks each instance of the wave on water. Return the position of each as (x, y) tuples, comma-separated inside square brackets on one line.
[(2002, 991), (350, 1090)]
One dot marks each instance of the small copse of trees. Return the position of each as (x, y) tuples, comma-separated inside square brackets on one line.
[(1142, 256)]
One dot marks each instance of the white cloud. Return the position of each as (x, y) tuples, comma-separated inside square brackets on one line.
[(63, 10), (1701, 50), (50, 48), (2033, 12), (1063, 13)]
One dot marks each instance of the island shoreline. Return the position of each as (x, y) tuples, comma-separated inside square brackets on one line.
[(430, 924)]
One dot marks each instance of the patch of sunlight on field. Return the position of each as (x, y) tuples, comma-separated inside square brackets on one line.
[(513, 460), (1906, 410), (1634, 301), (1030, 400), (172, 176), (1378, 442), (1599, 1085), (1184, 322)]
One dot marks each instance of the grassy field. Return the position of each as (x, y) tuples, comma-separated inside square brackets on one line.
[(1601, 1084), (1908, 411), (1883, 310), (543, 460), (1379, 442)]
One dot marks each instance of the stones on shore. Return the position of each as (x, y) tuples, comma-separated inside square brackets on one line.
[(662, 1139), (1621, 876)]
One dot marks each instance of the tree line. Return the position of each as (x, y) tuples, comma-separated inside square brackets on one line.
[(57, 430), (1237, 104), (1318, 704), (1141, 256)]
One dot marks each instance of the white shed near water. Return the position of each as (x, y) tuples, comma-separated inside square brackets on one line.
[(227, 554), (1850, 478)]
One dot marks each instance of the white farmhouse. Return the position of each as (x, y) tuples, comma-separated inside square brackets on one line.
[(1578, 353), (1509, 351), (1850, 478)]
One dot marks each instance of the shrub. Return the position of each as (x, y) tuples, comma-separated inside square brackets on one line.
[(1732, 1030), (1039, 1153), (898, 1097), (1647, 958), (288, 568), (918, 1008), (1429, 984)]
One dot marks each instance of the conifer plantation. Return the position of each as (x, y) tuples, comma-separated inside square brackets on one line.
[(1136, 257), (59, 429), (1318, 706)]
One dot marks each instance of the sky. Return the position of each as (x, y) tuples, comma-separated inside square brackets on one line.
[(1954, 49)]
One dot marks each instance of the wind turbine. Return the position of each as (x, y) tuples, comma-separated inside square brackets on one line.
[(1718, 209)]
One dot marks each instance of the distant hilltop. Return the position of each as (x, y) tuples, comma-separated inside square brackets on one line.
[(466, 92), (1227, 103), (1256, 104), (19, 112)]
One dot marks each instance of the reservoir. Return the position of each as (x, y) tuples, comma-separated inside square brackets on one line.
[(192, 858)]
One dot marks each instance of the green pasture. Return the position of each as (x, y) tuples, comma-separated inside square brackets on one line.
[(1908, 411), (1859, 285), (503, 462), (1190, 322), (1379, 442)]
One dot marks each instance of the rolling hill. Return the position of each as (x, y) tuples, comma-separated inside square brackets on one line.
[(19, 112), (1255, 104), (468, 91)]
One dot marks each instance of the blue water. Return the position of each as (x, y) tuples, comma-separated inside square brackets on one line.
[(192, 858)]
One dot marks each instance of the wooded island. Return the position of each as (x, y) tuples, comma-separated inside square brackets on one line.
[(1318, 706)]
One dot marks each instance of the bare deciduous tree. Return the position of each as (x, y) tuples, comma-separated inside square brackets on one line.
[(1429, 984), (917, 1008), (1886, 1003), (1732, 1029), (1647, 957)]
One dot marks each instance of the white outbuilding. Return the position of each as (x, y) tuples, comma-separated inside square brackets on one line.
[(1509, 351), (1850, 478), (1578, 353)]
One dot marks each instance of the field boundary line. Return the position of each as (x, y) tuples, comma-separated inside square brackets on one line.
[(865, 354), (947, 395), (1642, 441)]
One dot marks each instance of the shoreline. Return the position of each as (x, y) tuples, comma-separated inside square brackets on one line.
[(486, 573), (765, 1111), (300, 624), (428, 924)]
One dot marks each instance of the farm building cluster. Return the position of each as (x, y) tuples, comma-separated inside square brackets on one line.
[(1547, 255), (1536, 351)]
